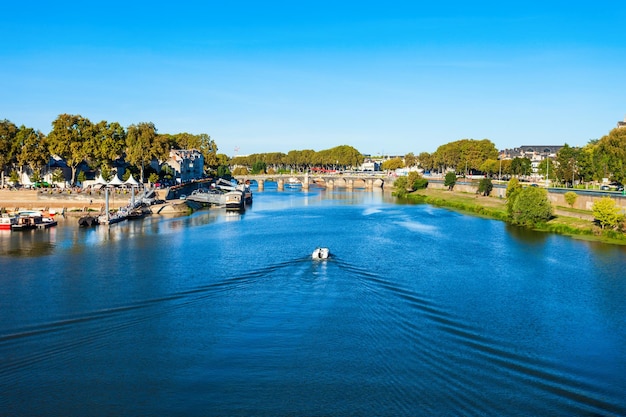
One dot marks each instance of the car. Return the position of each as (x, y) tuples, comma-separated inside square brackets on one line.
[(605, 187), (41, 184), (534, 185)]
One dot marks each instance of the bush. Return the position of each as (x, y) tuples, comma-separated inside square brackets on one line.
[(531, 206), (400, 186), (485, 186), (606, 213), (450, 180), (420, 184), (570, 198)]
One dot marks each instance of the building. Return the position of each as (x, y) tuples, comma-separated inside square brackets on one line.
[(622, 124), (536, 154), (188, 164)]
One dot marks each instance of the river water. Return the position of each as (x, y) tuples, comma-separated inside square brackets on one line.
[(420, 311)]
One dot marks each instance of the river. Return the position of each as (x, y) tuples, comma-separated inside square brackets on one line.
[(419, 311)]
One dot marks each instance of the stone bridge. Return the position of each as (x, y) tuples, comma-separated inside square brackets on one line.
[(330, 181)]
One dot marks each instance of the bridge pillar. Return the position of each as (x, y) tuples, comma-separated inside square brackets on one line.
[(350, 184), (261, 184), (280, 183), (305, 183), (369, 185), (330, 184)]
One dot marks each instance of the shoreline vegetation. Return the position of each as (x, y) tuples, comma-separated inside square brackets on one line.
[(577, 224)]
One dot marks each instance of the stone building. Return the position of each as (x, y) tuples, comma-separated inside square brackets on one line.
[(188, 164)]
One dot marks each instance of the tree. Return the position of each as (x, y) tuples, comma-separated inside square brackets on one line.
[(485, 186), (426, 161), (606, 212), (547, 169), (566, 167), (450, 180), (531, 206), (139, 145), (108, 142), (70, 139), (570, 198), (521, 166), (610, 155), (259, 167), (58, 176), (410, 159), (513, 189), (32, 149), (392, 164), (400, 186), (466, 152), (8, 132)]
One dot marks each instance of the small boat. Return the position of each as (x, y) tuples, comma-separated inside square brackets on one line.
[(88, 221), (31, 219), (138, 213), (321, 253), (7, 221)]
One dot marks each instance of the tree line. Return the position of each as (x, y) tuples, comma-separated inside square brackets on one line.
[(338, 158), (77, 140)]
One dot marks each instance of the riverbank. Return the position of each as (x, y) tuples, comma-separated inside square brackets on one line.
[(574, 223)]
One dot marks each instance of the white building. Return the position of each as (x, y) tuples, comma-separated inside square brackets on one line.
[(188, 164)]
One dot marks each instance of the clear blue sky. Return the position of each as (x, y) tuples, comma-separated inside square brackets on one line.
[(385, 77)]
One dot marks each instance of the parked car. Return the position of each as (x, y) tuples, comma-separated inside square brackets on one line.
[(41, 184), (605, 187)]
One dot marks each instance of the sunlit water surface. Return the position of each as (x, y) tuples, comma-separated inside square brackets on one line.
[(420, 311)]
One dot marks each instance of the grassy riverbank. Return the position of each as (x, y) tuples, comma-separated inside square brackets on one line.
[(577, 224)]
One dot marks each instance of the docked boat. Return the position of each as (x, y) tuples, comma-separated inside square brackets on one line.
[(234, 200), (88, 221), (117, 217), (28, 220), (7, 221), (138, 213), (321, 253)]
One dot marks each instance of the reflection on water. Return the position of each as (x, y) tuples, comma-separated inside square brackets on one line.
[(419, 311)]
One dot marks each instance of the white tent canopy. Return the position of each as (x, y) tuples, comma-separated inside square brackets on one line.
[(116, 181), (100, 181), (131, 181)]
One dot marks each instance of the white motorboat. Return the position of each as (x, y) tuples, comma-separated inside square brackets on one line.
[(321, 253)]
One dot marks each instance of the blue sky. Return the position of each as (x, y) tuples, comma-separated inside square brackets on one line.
[(385, 77)]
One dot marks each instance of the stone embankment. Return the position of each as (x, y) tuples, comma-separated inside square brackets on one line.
[(75, 202)]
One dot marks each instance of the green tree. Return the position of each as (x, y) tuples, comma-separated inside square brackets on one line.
[(450, 180), (513, 190), (401, 185), (259, 167), (470, 153), (140, 139), (606, 212), (8, 132), (531, 207), (32, 149), (57, 175), (566, 165), (410, 159), (610, 155), (425, 161), (521, 166), (70, 139), (485, 186), (570, 198), (547, 169), (108, 142), (392, 164)]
